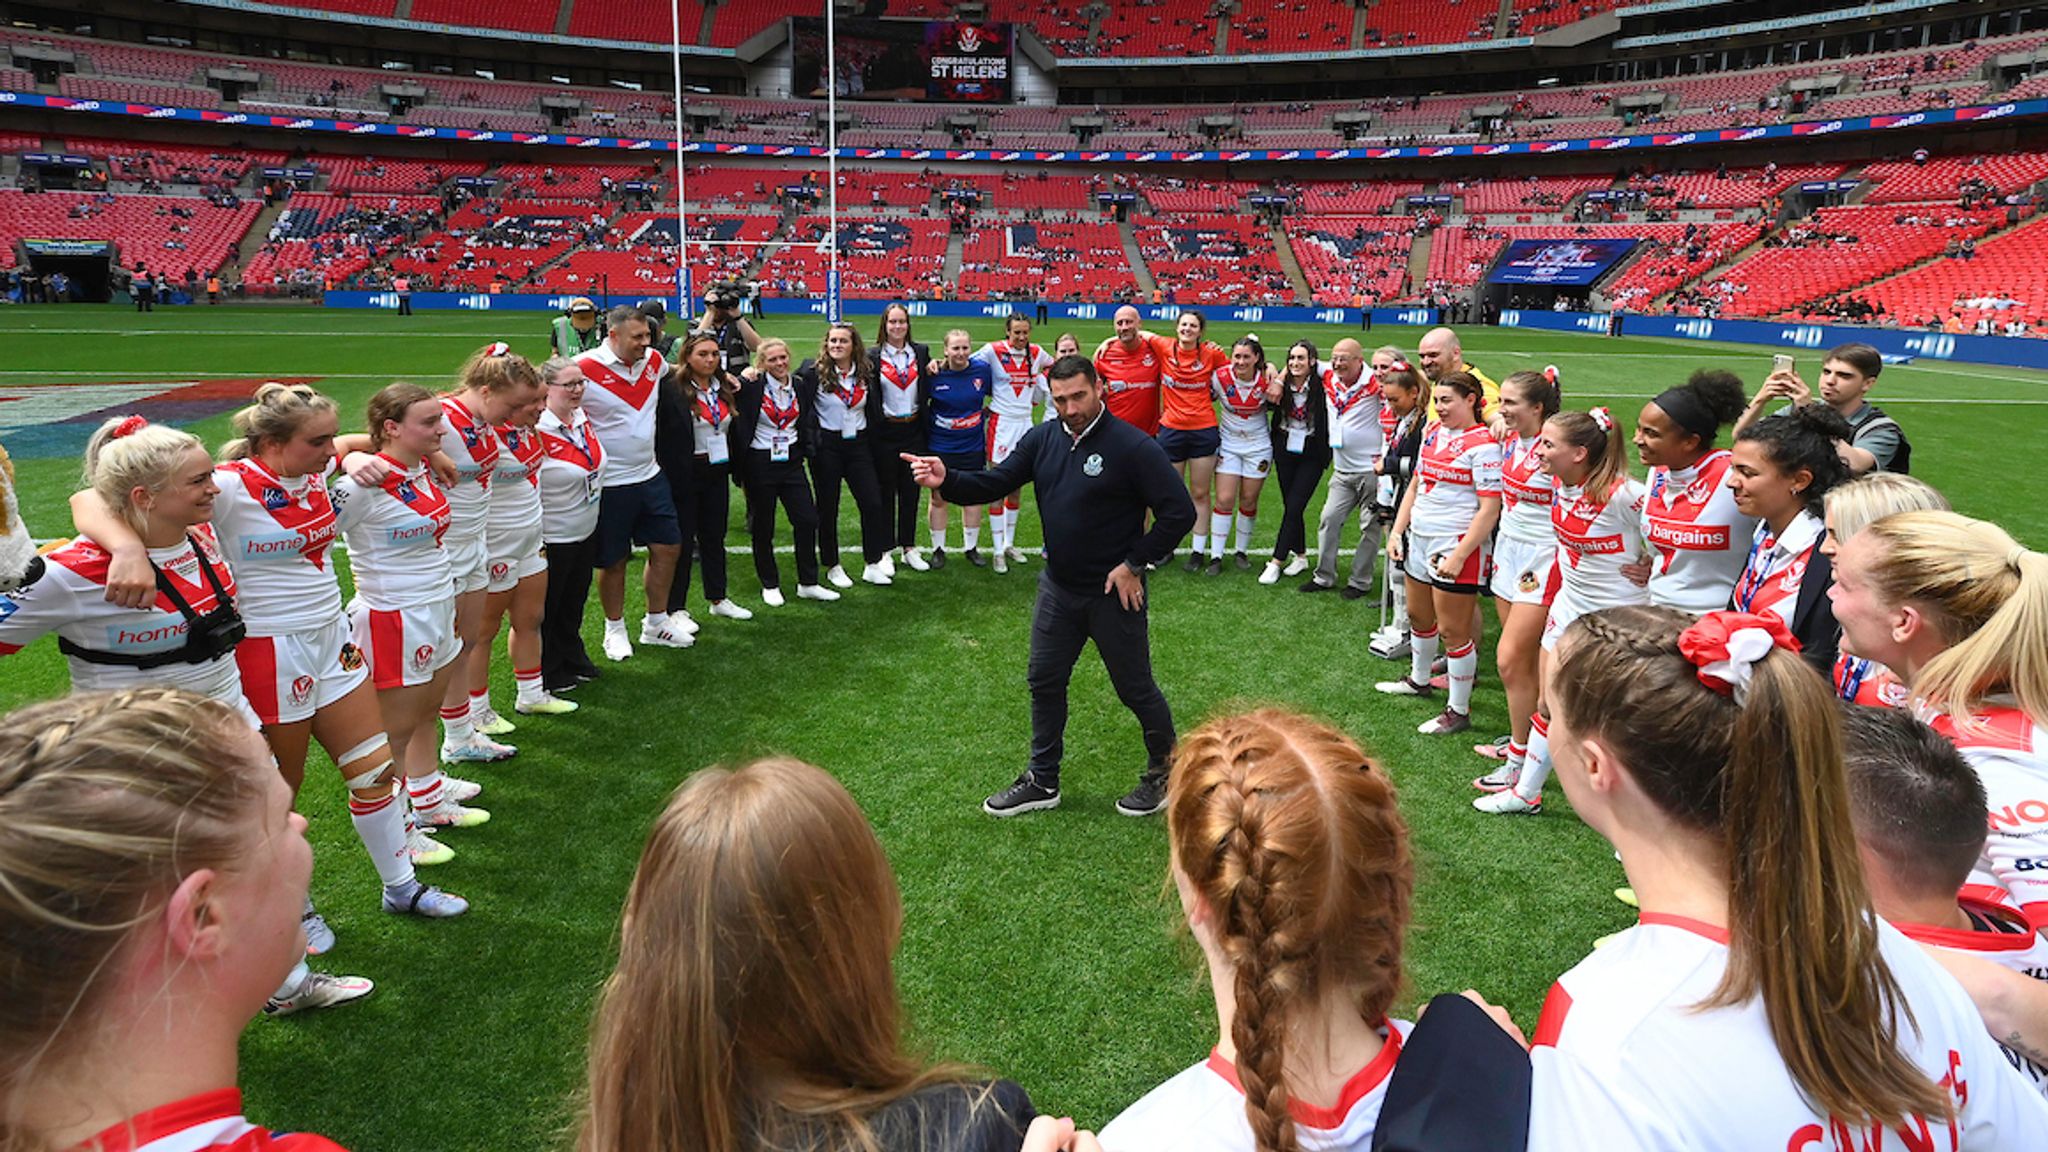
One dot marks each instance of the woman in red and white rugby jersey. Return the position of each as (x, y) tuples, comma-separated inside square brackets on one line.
[(1758, 1003), (1245, 457), (151, 874), (392, 518), (571, 481), (518, 582), (492, 384), (300, 671), (1524, 556), (1293, 868), (1596, 515), (1443, 538), (1959, 611), (1698, 536), (1850, 509)]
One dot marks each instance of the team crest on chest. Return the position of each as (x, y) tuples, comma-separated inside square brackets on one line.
[(1093, 465)]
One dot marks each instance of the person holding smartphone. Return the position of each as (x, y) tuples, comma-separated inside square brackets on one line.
[(1847, 374)]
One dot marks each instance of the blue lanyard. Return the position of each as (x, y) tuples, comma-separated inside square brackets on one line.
[(1856, 670), (1752, 580)]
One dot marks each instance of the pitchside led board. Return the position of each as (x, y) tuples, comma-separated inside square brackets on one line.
[(1567, 262), (945, 61)]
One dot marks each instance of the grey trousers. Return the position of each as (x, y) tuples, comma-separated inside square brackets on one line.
[(1351, 493)]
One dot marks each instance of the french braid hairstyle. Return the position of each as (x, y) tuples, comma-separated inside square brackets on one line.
[(1293, 837)]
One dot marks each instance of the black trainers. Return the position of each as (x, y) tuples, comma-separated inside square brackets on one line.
[(1244, 562), (975, 558), (1318, 586), (1147, 798), (1026, 795), (937, 559), (1215, 567), (1353, 592), (1194, 563)]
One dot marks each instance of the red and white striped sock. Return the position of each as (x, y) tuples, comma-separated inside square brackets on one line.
[(455, 725), (426, 791), (479, 703), (1464, 669), (1518, 754), (528, 680), (380, 825), (1421, 655)]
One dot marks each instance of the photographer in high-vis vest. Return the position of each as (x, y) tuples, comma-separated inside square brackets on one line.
[(577, 329)]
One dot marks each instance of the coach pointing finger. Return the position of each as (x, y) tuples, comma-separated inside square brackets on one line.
[(1095, 479)]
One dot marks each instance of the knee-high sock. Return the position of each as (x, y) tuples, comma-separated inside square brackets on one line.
[(1464, 668), (1421, 655), (1219, 538), (1245, 522), (1536, 765), (1010, 525), (380, 824), (427, 791), (455, 724), (971, 537)]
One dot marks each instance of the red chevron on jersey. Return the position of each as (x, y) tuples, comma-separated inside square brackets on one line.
[(1342, 398), (479, 440), (2004, 729), (1672, 514), (1022, 372), (1443, 453), (91, 563), (586, 456), (526, 448), (425, 498), (1522, 479), (635, 392), (312, 521), (209, 1122), (1574, 520)]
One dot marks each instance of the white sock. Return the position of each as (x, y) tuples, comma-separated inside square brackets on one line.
[(1010, 526), (530, 690), (1245, 522), (1219, 541), (998, 525), (938, 537), (1421, 655), (1464, 669), (614, 627), (1518, 754), (1201, 544), (427, 792), (291, 984), (456, 727), (971, 536), (479, 703), (654, 621), (380, 825), (1535, 765)]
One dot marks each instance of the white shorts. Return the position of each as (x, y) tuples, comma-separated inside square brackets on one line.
[(1250, 465), (1522, 569), (469, 561), (1003, 434), (288, 678), (406, 646), (514, 556), (1563, 610), (1419, 562)]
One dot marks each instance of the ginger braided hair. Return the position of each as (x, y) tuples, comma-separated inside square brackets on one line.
[(1295, 841)]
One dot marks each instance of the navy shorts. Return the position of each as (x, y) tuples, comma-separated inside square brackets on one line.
[(1184, 445), (629, 514), (963, 461)]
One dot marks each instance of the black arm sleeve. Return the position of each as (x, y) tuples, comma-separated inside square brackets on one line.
[(1173, 510), (1001, 480)]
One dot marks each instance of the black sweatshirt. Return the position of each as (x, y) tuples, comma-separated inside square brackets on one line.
[(1092, 498)]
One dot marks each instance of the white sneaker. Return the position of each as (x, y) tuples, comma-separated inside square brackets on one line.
[(874, 574), (1016, 555), (1271, 575), (916, 561), (319, 990), (319, 937), (772, 597), (449, 814), (888, 565), (815, 592), (459, 790), (545, 704), (730, 610), (1507, 803), (838, 578), (476, 750), (424, 849), (668, 635), (616, 646), (1000, 561), (1296, 565)]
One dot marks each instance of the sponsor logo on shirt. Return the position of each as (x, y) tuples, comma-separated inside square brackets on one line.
[(163, 637), (1689, 537), (275, 498), (412, 533)]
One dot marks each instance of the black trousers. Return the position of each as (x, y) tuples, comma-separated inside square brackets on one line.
[(703, 512), (852, 461), (769, 482), (1062, 623), (405, 304), (1299, 474), (562, 654), (899, 488)]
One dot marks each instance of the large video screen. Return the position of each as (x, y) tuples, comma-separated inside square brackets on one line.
[(1568, 261), (945, 61)]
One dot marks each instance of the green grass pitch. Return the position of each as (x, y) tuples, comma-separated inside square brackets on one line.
[(1041, 948)]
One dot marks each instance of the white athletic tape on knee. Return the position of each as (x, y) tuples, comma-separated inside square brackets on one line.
[(368, 747), (370, 779)]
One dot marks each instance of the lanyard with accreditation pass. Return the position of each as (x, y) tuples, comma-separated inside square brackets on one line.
[(711, 407), (780, 420), (1342, 400)]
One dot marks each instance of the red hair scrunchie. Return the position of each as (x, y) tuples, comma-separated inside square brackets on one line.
[(128, 427), (1725, 646), (497, 348)]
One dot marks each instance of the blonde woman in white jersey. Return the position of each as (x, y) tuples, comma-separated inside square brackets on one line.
[(1699, 539), (1242, 391), (299, 668), (1958, 610), (1596, 514), (1020, 368), (1759, 1003), (1524, 558)]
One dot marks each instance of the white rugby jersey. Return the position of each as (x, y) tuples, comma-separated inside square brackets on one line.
[(620, 402), (1242, 416), (2009, 750), (1202, 1110), (1995, 934), (1357, 434), (1624, 1059), (473, 445), (1699, 538), (1454, 471), (1020, 378), (1775, 567), (897, 374), (394, 532), (70, 599), (276, 534), (515, 481), (571, 477), (1525, 494), (208, 1122), (1594, 541)]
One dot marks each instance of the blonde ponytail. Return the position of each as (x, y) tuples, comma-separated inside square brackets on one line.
[(277, 414), (127, 453)]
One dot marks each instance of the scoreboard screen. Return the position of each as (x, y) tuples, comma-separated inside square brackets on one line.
[(942, 61)]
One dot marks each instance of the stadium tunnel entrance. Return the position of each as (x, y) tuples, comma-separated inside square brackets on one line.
[(88, 264)]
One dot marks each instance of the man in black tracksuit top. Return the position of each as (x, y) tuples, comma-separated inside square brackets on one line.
[(1095, 478)]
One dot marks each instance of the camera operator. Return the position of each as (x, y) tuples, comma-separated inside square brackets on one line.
[(722, 321)]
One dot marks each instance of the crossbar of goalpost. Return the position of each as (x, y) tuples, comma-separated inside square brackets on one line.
[(830, 244)]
